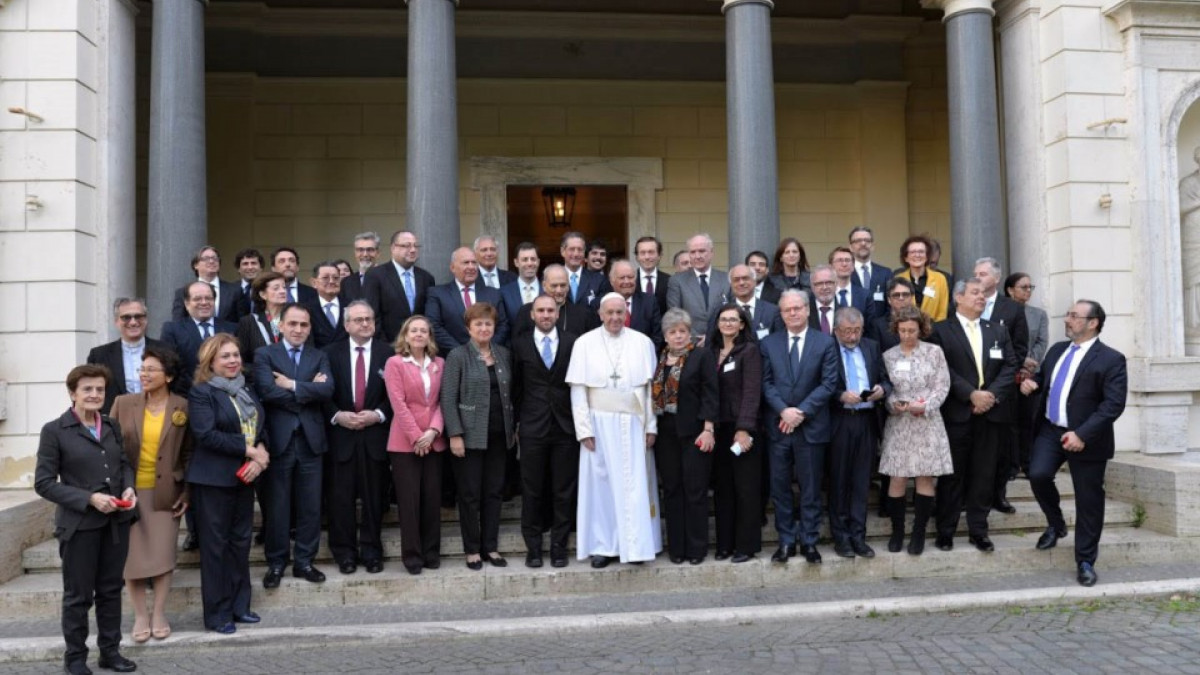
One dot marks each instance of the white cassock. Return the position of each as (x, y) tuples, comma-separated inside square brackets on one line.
[(618, 512)]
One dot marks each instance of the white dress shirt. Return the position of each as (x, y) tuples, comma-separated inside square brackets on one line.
[(1066, 392)]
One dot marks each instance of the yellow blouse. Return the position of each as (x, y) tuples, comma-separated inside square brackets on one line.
[(152, 426)]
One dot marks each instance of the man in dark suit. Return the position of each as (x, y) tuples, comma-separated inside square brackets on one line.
[(641, 310), (358, 432), (448, 302), (487, 256), (123, 356), (549, 451), (652, 281), (286, 261), (823, 305), (572, 318), (983, 369), (525, 287), (764, 316), (1085, 384), (761, 265), (231, 303), (294, 381), (855, 438), (899, 294), (184, 336), (397, 289), (845, 293), (586, 284), (326, 310), (799, 376), (366, 250), (249, 263), (869, 275)]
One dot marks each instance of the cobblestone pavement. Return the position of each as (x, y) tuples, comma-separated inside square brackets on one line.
[(1159, 635)]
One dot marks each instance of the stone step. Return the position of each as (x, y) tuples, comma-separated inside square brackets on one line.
[(1028, 518), (40, 595)]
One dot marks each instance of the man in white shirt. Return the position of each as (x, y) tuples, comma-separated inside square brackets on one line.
[(326, 310), (648, 251), (123, 356)]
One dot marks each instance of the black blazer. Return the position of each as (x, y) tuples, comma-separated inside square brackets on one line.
[(1096, 398), (233, 303), (352, 288), (661, 279), (72, 465), (644, 316), (880, 330), (183, 337), (445, 311), (739, 381), (323, 333), (112, 357), (292, 410), (345, 443), (573, 319), (999, 374), (699, 399), (218, 444), (770, 293), (876, 373), (1010, 314), (541, 395), (384, 291)]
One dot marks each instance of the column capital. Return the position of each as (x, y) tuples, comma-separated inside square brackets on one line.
[(951, 8), (727, 4)]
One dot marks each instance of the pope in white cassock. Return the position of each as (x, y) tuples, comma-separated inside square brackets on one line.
[(610, 372)]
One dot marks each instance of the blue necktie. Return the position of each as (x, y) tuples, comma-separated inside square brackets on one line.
[(409, 291), (291, 296), (205, 330), (575, 287), (851, 370), (844, 302), (547, 355), (1060, 383)]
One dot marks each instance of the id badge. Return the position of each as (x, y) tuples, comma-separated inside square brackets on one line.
[(903, 366), (729, 367), (929, 292)]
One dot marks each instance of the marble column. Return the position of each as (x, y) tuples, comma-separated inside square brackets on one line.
[(117, 146), (978, 225), (750, 111), (178, 193), (432, 175)]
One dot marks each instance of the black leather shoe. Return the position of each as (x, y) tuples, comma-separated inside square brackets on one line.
[(475, 565), (373, 566), (347, 567), (432, 563), (120, 664), (601, 561), (982, 543), (413, 569), (675, 559), (780, 555), (533, 560), (77, 668), (1003, 506), (1087, 574), (722, 554), (191, 542), (843, 550), (558, 561), (310, 573), (944, 543), (811, 554), (861, 549), (741, 558), (272, 578), (1049, 538), (226, 629), (496, 560), (248, 617), (695, 561)]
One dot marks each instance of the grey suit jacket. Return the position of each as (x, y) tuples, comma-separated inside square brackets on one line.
[(684, 291), (467, 394), (1039, 332)]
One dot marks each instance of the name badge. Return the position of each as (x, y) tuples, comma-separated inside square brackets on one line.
[(903, 366), (878, 296), (929, 292), (762, 333), (996, 353), (729, 367)]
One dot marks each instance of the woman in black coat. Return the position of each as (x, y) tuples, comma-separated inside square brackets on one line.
[(227, 430), (82, 467), (737, 491), (684, 390)]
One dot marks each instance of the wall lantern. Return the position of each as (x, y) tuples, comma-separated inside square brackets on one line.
[(560, 205)]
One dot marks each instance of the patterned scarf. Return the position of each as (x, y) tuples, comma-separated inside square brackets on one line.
[(664, 388)]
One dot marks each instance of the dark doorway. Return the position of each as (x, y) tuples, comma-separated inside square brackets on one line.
[(601, 212)]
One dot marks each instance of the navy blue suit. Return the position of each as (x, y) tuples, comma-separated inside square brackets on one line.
[(1095, 399), (852, 450), (324, 333), (859, 299), (880, 276), (183, 337), (296, 438), (510, 296), (592, 285), (808, 386), (444, 308)]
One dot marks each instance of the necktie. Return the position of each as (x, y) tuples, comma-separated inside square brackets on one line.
[(1060, 383), (466, 296), (409, 291), (794, 355), (650, 284), (976, 347), (704, 288), (295, 356), (360, 380), (851, 371), (291, 296), (825, 320), (329, 314), (749, 312), (205, 330), (628, 313), (844, 302), (547, 355), (866, 276), (574, 286), (987, 309), (491, 280)]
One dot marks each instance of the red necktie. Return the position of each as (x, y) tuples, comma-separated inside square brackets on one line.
[(825, 320), (360, 381), (650, 285), (466, 296), (628, 312)]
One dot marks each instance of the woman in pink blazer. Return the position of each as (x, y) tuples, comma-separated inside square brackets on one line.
[(414, 382)]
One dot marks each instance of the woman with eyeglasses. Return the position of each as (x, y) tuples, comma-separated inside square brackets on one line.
[(899, 295), (1019, 287), (158, 443), (931, 289)]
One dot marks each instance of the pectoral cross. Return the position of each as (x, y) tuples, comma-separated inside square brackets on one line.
[(614, 377)]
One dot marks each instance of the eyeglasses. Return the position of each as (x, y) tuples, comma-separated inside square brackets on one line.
[(365, 249), (130, 318), (1073, 315), (900, 296), (862, 240), (209, 258), (1025, 288), (362, 320)]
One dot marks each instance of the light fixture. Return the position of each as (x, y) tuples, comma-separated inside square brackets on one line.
[(560, 205)]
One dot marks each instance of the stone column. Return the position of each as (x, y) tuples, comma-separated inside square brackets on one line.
[(750, 110), (978, 225), (178, 193), (432, 175)]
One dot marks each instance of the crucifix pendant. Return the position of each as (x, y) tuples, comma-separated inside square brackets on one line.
[(614, 377)]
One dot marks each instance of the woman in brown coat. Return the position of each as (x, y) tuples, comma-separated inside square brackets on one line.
[(157, 443)]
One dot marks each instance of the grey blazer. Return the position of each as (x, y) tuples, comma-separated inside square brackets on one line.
[(467, 395), (683, 290), (1039, 332)]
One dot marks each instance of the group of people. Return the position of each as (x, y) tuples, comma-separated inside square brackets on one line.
[(610, 394)]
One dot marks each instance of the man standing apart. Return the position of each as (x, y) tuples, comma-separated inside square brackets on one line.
[(1086, 385), (610, 372)]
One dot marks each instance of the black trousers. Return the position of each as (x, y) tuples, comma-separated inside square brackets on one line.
[(973, 448), (225, 522), (1087, 475), (93, 567), (851, 453), (418, 482), (684, 472), (358, 478), (737, 493), (549, 473), (479, 476), (1006, 459), (293, 485)]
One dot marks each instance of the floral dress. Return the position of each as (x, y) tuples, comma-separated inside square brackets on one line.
[(916, 446)]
